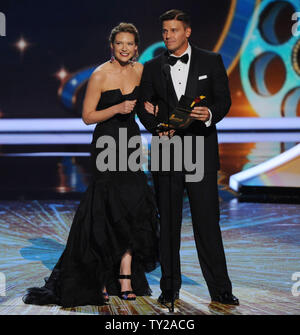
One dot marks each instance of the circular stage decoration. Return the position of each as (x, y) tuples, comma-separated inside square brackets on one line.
[(261, 74), (269, 64), (296, 57)]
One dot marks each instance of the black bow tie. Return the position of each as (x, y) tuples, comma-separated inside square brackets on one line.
[(173, 60)]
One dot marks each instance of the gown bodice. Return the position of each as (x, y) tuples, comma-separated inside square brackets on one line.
[(113, 97)]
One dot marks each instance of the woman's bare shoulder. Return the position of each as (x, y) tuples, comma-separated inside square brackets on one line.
[(139, 67), (101, 71)]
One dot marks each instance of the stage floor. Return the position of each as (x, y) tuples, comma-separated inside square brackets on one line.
[(262, 246), (261, 240)]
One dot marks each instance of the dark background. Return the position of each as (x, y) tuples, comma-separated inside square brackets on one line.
[(74, 35)]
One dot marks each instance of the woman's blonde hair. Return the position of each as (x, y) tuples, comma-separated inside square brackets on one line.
[(124, 27)]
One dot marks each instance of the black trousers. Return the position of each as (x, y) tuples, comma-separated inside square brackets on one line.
[(204, 205)]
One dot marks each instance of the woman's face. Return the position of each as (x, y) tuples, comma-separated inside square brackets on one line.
[(124, 47)]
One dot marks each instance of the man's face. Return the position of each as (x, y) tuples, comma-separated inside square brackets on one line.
[(175, 35)]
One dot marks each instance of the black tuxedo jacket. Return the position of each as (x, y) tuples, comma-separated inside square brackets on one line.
[(156, 88)]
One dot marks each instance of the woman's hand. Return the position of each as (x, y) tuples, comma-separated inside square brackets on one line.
[(168, 133), (151, 108), (126, 106)]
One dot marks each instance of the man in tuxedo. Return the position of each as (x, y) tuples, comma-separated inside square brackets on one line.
[(186, 70)]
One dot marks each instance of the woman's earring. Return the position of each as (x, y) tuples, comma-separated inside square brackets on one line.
[(134, 58), (112, 58)]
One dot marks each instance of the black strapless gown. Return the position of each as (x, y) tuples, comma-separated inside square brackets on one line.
[(117, 213)]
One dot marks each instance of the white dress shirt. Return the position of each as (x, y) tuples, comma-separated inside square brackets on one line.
[(179, 75)]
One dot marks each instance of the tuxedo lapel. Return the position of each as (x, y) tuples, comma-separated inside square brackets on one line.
[(192, 80), (168, 87), (173, 100), (163, 61)]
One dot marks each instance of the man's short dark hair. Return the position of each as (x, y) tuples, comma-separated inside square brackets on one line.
[(176, 14)]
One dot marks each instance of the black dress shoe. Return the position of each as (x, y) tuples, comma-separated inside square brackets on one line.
[(166, 297), (226, 299)]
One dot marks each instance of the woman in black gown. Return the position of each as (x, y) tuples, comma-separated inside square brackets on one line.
[(113, 239)]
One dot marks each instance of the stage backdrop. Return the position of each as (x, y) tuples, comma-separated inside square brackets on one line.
[(48, 50)]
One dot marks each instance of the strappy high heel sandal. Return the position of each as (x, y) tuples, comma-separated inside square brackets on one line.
[(124, 294), (105, 296)]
